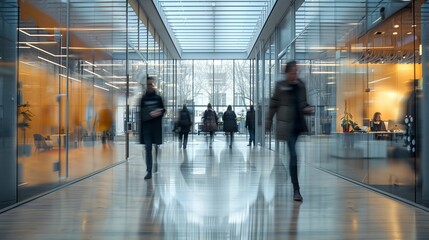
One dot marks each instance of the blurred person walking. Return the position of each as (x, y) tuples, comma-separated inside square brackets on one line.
[(210, 122), (184, 123), (151, 113), (229, 124), (289, 102), (250, 125)]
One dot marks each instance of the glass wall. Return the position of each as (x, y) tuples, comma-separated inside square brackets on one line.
[(360, 61), (219, 82), (81, 70), (8, 103)]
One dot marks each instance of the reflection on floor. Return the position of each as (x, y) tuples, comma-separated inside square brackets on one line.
[(46, 169), (213, 193)]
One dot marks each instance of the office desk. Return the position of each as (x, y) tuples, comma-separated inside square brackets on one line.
[(365, 145)]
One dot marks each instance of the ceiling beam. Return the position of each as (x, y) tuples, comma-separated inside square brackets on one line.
[(148, 11), (276, 16), (215, 55)]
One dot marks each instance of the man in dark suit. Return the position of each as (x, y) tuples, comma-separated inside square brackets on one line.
[(250, 125), (151, 113)]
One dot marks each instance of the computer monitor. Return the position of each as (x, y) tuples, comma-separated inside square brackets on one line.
[(393, 125), (366, 122)]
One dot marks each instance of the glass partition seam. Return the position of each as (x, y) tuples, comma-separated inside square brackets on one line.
[(67, 87), (127, 94)]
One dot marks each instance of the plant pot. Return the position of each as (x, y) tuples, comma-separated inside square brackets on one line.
[(346, 128)]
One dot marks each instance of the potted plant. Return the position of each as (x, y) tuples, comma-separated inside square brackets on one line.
[(24, 119), (346, 121)]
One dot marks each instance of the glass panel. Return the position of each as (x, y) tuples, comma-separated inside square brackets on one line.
[(8, 107), (42, 94), (223, 86), (242, 87), (267, 93), (358, 70), (422, 156), (75, 88), (203, 87), (186, 89), (260, 104), (138, 70), (95, 87)]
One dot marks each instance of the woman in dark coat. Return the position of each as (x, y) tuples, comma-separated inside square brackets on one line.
[(210, 121), (185, 123), (229, 123), (151, 112), (289, 103)]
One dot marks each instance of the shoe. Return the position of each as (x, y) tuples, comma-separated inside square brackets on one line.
[(230, 146), (184, 147), (297, 196), (248, 144), (148, 176)]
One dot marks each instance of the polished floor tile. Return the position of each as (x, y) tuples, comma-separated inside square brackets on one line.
[(213, 193)]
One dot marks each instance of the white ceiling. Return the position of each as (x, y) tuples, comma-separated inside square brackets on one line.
[(214, 27)]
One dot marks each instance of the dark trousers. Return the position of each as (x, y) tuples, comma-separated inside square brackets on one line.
[(148, 150), (211, 136), (184, 137), (231, 138), (293, 162), (252, 136)]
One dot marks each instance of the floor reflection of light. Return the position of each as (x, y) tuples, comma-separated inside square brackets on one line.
[(198, 171)]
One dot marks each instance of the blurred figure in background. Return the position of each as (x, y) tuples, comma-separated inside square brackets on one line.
[(151, 113), (250, 125), (229, 124), (105, 121), (210, 122), (184, 123), (289, 102)]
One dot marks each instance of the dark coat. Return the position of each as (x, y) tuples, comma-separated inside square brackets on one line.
[(229, 121), (250, 119), (184, 121), (378, 127), (151, 127), (285, 101), (207, 127)]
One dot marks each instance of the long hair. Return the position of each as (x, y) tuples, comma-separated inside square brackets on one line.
[(229, 108), (376, 114)]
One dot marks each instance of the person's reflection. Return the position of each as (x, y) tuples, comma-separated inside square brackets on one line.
[(293, 223), (105, 121), (265, 172), (186, 166)]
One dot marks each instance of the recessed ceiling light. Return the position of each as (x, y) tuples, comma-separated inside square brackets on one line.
[(395, 33), (396, 26)]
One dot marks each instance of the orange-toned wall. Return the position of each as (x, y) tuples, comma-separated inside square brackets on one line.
[(40, 88)]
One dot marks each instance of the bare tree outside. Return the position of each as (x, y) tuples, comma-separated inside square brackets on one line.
[(242, 81)]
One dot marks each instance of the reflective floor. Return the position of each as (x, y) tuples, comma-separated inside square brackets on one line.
[(213, 193)]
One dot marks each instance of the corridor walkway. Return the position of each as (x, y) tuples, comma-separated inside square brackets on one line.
[(213, 193)]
